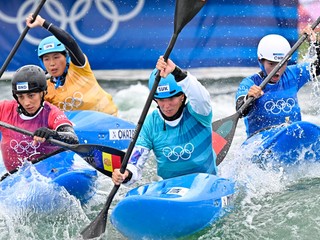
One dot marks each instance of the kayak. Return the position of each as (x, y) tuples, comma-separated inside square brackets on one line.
[(64, 170), (67, 169), (173, 208), (284, 145), (100, 128)]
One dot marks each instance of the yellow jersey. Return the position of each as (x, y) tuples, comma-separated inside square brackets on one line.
[(81, 91)]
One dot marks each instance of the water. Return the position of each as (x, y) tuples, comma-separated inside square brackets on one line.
[(268, 204)]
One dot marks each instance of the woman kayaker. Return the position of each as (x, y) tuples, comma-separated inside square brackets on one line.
[(178, 131), (72, 85), (30, 111), (277, 103)]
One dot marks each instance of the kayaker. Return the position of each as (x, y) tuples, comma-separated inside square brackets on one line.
[(277, 103), (31, 112), (178, 131), (72, 85)]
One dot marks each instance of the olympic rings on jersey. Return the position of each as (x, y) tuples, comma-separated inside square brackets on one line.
[(79, 10), (280, 106), (71, 103), (23, 146), (178, 152)]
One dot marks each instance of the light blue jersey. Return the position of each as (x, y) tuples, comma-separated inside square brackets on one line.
[(279, 102), (182, 149), (181, 146)]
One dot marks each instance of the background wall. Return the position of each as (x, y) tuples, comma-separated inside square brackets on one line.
[(132, 34)]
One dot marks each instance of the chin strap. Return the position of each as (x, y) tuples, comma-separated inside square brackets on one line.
[(59, 81)]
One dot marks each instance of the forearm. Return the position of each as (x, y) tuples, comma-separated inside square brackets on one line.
[(66, 134), (197, 94), (136, 164), (75, 52)]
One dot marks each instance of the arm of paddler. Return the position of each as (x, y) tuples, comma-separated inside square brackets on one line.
[(134, 168), (64, 133), (255, 92), (77, 56)]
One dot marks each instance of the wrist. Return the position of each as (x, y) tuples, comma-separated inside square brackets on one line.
[(129, 176), (46, 24), (179, 74)]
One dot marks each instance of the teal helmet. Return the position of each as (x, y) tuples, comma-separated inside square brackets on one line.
[(50, 45), (29, 78), (167, 87)]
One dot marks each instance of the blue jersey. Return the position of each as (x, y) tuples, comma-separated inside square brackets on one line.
[(279, 102)]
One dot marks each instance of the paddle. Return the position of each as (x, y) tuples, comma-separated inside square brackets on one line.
[(17, 44), (224, 129), (102, 158), (185, 10), (45, 156)]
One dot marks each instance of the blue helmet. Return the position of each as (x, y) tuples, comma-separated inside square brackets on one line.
[(49, 45), (167, 87)]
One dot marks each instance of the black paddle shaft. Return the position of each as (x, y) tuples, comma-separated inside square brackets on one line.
[(185, 10), (22, 36)]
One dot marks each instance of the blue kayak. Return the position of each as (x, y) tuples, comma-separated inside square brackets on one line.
[(285, 145), (67, 169), (173, 208), (63, 170), (100, 128)]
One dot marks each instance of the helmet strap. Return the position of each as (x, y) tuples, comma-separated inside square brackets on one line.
[(59, 81), (262, 67)]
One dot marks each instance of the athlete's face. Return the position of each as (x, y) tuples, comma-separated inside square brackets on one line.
[(170, 106), (30, 101), (55, 63), (269, 66)]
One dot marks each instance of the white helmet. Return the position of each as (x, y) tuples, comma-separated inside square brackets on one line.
[(273, 47)]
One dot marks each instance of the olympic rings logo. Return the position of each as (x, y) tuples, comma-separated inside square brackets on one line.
[(178, 152), (24, 146), (77, 13), (71, 102), (280, 106)]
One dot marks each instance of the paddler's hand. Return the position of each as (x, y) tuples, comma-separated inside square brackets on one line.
[(118, 177), (38, 22), (42, 134), (312, 36), (165, 68), (255, 91)]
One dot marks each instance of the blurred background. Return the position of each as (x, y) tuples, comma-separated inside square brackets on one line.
[(131, 34)]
